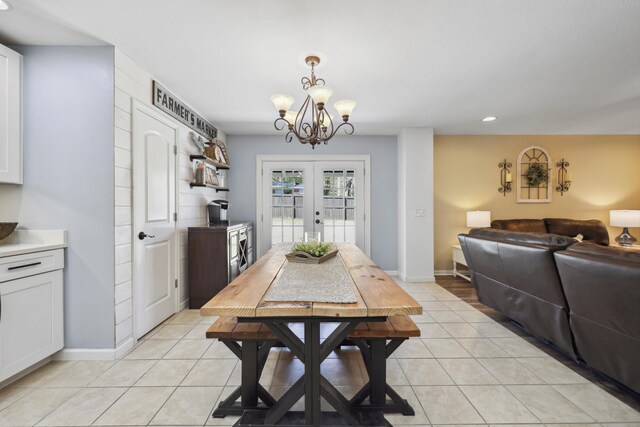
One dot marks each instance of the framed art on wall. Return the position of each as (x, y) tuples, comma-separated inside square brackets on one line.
[(534, 175)]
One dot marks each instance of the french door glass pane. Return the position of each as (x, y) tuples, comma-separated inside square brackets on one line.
[(287, 206), (339, 188)]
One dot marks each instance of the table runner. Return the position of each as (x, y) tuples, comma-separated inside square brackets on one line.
[(326, 282)]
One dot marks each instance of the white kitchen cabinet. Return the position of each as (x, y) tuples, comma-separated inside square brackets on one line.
[(10, 116), (31, 310)]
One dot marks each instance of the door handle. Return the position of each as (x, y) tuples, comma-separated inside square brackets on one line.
[(318, 221), (142, 235)]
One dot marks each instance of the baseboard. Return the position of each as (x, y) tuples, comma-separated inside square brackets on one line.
[(413, 279), (124, 348), (95, 353), (443, 273), (391, 272), (184, 304)]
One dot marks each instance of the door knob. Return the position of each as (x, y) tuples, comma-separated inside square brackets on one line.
[(318, 221), (142, 235)]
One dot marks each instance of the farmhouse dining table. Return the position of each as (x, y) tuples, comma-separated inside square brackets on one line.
[(377, 297)]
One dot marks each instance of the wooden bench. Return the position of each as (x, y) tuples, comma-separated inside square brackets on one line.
[(376, 341)]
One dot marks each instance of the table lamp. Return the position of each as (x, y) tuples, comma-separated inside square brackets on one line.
[(625, 219), (478, 219)]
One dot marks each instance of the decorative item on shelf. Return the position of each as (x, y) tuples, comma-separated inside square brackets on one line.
[(625, 219), (217, 151), (478, 219), (505, 177), (312, 124), (564, 177), (198, 141), (211, 177), (312, 252), (200, 171), (533, 176)]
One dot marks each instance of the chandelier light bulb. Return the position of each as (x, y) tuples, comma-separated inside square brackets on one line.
[(345, 108), (320, 94), (282, 102), (290, 117)]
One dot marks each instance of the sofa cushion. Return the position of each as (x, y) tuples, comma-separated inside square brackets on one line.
[(610, 252), (592, 230), (552, 240), (524, 225)]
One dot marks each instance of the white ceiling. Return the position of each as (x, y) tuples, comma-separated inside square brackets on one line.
[(541, 66)]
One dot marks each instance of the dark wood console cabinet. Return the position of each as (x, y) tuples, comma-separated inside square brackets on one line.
[(217, 255)]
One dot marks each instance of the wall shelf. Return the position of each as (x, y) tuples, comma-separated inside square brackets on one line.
[(208, 160), (194, 184)]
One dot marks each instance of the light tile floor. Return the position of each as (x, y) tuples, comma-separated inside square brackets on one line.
[(466, 369)]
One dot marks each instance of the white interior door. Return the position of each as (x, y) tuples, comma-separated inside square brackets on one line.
[(313, 196), (154, 143)]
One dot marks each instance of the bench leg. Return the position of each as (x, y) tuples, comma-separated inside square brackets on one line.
[(378, 375), (253, 356), (374, 353)]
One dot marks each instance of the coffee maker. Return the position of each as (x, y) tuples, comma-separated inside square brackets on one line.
[(217, 211)]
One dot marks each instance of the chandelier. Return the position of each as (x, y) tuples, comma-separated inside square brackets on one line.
[(312, 124)]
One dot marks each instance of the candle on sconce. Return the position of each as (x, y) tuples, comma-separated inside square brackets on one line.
[(567, 176), (508, 177)]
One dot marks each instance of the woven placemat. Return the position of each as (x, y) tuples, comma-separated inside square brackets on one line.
[(326, 282)]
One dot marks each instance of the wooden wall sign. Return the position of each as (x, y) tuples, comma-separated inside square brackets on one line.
[(170, 104)]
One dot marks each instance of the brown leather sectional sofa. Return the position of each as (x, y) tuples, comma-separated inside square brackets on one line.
[(582, 297)]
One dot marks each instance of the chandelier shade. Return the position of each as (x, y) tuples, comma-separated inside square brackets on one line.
[(312, 123), (344, 107), (282, 102)]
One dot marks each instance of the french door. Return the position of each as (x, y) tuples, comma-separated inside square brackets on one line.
[(326, 197)]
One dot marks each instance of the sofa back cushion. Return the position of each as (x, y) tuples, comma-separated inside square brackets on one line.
[(592, 230), (533, 238), (524, 225)]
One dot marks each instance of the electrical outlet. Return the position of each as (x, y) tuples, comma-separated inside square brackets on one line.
[(420, 212)]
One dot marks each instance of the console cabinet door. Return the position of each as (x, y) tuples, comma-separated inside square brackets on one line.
[(31, 321), (10, 116)]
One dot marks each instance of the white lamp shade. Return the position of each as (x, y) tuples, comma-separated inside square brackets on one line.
[(320, 94), (624, 218), (282, 102), (290, 117), (476, 219), (344, 107)]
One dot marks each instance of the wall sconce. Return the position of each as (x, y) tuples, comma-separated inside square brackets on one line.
[(564, 177), (505, 177)]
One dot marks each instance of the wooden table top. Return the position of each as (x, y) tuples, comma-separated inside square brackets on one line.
[(377, 293)]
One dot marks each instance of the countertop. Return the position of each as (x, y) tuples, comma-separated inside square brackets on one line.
[(29, 241), (222, 226)]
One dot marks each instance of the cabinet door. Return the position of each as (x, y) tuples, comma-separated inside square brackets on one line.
[(31, 321), (233, 245), (10, 116)]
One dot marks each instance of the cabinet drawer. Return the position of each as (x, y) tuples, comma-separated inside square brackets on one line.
[(14, 267)]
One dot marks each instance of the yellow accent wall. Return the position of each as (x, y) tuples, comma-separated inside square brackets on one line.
[(605, 171)]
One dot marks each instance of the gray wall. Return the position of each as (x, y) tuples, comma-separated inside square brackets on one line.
[(68, 177), (383, 151)]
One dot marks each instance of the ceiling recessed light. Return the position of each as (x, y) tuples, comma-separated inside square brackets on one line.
[(4, 5), (489, 119)]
